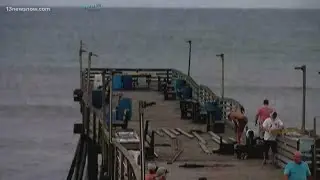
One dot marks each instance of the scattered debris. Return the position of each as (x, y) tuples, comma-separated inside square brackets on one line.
[(166, 131), (185, 133), (204, 148), (159, 133), (199, 137), (175, 156), (175, 132), (186, 165), (163, 145)]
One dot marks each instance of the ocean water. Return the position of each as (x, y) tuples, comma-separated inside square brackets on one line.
[(39, 68)]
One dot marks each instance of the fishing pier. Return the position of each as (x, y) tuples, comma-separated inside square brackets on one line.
[(134, 116)]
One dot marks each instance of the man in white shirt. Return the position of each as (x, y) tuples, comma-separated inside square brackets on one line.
[(270, 124)]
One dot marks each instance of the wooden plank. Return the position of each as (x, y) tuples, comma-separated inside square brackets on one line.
[(185, 133), (166, 131), (292, 142), (174, 158), (175, 132), (204, 148), (286, 148), (232, 139), (216, 137), (199, 137), (282, 158), (159, 133)]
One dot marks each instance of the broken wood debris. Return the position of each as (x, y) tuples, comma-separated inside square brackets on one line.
[(204, 148), (174, 158), (199, 137), (159, 133), (175, 132), (216, 138), (166, 131), (185, 133)]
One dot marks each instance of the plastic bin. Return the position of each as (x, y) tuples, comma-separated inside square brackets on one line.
[(125, 103), (127, 82), (117, 82)]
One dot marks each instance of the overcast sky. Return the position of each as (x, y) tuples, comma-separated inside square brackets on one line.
[(172, 3)]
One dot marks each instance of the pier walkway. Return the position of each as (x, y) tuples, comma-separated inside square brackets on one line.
[(172, 141), (166, 114)]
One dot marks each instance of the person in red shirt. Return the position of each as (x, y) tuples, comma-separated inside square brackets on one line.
[(151, 175), (262, 114)]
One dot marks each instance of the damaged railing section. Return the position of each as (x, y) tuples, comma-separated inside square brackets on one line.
[(287, 146), (126, 166)]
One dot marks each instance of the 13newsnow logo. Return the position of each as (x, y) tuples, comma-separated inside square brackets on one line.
[(92, 7)]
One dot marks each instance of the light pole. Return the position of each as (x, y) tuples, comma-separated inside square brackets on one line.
[(222, 75), (190, 42), (314, 146), (88, 71), (81, 50), (222, 83), (142, 106), (303, 68)]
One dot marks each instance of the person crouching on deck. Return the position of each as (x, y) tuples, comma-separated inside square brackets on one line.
[(240, 121), (151, 175), (270, 124), (161, 173)]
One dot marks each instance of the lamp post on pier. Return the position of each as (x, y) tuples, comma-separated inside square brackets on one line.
[(89, 69), (190, 43), (315, 168), (81, 50), (303, 68), (222, 82)]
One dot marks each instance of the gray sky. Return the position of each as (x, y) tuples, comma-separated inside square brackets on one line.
[(172, 3)]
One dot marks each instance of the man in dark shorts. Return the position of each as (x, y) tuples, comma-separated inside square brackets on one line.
[(240, 121), (270, 124)]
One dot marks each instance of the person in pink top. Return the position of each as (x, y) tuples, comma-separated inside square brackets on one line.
[(262, 114), (151, 175)]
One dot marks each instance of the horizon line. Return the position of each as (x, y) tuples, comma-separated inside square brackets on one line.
[(163, 7)]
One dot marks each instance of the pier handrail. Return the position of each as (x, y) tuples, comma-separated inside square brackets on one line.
[(203, 93), (135, 168)]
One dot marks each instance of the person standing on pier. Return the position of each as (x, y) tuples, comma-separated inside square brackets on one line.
[(262, 114), (240, 121), (270, 124), (298, 169), (152, 172), (161, 173)]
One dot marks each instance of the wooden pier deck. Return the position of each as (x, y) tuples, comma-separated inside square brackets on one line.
[(105, 154), (166, 114)]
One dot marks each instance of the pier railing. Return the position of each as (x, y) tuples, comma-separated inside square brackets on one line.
[(287, 146)]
